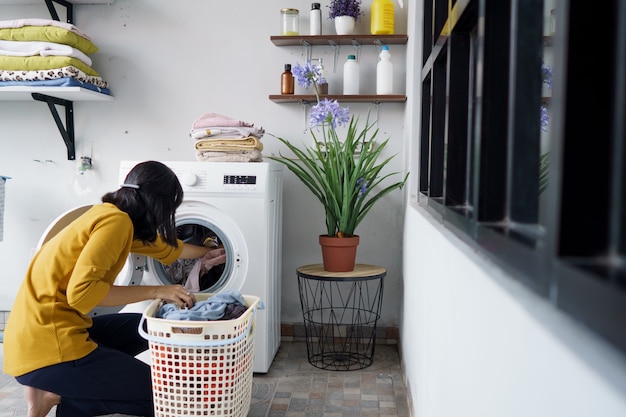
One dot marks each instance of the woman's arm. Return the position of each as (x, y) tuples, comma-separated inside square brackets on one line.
[(193, 251), (120, 295)]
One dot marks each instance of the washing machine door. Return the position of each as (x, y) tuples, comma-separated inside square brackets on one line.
[(60, 222), (200, 223), (132, 272)]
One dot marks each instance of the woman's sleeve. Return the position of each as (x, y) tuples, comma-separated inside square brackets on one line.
[(100, 261), (158, 250)]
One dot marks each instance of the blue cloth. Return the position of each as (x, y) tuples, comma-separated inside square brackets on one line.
[(57, 82), (212, 308)]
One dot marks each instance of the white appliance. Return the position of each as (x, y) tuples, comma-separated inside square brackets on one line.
[(237, 206)]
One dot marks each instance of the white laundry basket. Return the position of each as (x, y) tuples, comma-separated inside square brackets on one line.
[(201, 368)]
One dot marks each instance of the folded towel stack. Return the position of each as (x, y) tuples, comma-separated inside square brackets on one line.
[(43, 52), (221, 138)]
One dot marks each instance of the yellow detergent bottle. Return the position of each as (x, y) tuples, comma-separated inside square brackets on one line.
[(382, 17)]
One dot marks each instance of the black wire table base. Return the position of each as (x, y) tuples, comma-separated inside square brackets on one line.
[(337, 353), (340, 312)]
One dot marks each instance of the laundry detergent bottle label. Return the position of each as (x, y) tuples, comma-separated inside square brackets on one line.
[(382, 21)]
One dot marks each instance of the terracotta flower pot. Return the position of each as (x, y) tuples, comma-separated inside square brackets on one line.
[(339, 254)]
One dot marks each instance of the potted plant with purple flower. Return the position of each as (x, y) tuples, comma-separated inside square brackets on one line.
[(345, 13), (345, 175)]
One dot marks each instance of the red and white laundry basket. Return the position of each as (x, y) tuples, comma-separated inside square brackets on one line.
[(201, 368)]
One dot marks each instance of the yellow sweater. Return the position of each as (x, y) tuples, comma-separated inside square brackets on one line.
[(66, 279)]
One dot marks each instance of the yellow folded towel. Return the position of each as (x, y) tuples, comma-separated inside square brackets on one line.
[(228, 144)]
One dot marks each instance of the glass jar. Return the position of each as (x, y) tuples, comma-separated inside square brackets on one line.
[(290, 22)]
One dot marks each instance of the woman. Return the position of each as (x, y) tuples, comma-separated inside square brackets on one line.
[(61, 355)]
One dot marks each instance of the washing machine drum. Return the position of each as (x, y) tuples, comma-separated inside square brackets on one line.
[(200, 232)]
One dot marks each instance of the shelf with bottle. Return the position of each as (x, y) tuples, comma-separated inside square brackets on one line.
[(359, 98), (297, 40), (334, 41)]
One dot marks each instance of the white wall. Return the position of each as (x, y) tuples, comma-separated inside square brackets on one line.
[(482, 345), (475, 342), (169, 62)]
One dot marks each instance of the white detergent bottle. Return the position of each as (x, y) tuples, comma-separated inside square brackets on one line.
[(384, 72), (351, 76)]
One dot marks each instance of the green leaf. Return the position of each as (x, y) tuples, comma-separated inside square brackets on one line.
[(345, 176)]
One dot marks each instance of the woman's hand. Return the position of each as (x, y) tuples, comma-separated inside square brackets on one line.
[(176, 294), (122, 295)]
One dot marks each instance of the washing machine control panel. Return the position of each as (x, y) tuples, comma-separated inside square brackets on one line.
[(240, 179), (202, 182), (189, 179), (216, 177), (240, 182)]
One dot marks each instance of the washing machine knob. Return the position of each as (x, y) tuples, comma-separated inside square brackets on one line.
[(189, 179)]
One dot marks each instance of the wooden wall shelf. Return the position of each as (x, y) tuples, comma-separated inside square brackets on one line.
[(361, 98), (340, 40)]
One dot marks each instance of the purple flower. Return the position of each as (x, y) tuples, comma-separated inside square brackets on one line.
[(362, 186), (308, 75), (344, 8), (329, 112), (546, 75), (545, 118)]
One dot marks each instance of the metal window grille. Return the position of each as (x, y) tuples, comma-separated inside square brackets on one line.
[(480, 146)]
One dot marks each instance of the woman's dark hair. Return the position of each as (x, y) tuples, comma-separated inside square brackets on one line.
[(150, 195)]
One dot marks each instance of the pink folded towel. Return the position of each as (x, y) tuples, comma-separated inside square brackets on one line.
[(215, 132), (214, 119)]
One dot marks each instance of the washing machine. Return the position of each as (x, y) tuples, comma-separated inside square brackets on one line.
[(237, 206)]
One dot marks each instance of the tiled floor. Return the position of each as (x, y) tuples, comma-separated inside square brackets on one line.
[(295, 388)]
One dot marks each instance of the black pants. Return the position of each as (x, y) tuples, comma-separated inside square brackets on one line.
[(108, 380)]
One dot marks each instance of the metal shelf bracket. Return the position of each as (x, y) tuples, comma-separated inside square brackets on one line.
[(67, 131), (378, 107), (307, 50), (335, 48), (305, 109), (357, 46), (69, 7)]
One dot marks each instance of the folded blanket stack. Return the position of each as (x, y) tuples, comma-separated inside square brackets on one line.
[(43, 52), (224, 139)]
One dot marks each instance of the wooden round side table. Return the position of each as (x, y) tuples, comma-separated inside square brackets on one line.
[(340, 311)]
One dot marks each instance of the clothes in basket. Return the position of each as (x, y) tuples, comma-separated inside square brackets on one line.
[(226, 305)]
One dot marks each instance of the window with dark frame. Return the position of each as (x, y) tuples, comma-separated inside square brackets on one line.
[(558, 227)]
